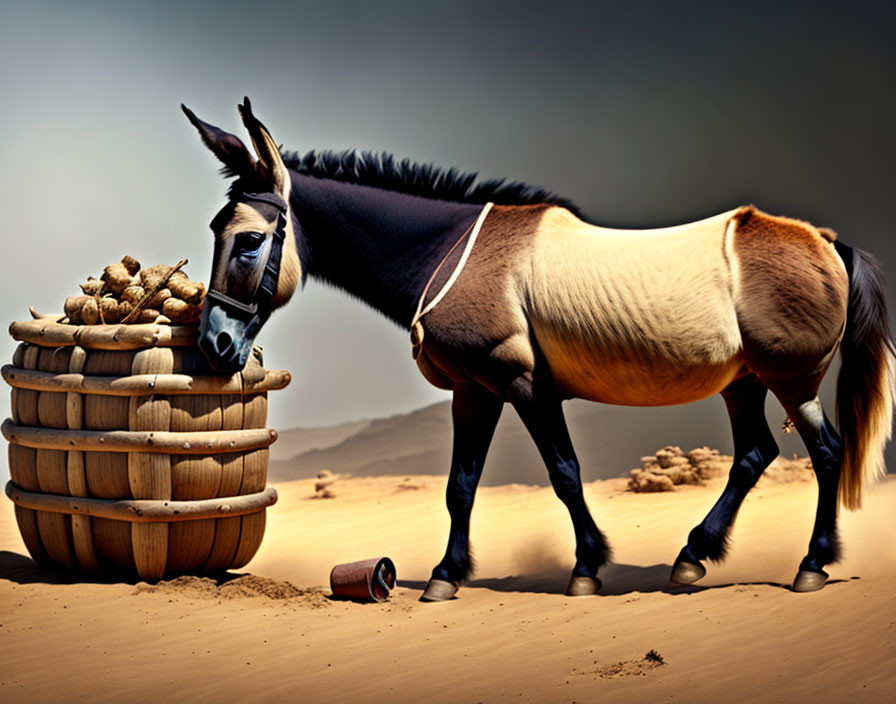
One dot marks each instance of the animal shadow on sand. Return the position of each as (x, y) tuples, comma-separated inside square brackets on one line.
[(617, 579)]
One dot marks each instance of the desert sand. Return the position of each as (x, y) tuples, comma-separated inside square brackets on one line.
[(740, 636)]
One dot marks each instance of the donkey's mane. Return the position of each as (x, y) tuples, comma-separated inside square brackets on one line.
[(383, 170)]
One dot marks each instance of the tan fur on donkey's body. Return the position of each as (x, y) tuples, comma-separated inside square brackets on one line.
[(643, 317), (621, 318)]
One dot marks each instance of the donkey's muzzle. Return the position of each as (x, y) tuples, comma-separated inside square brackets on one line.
[(225, 339)]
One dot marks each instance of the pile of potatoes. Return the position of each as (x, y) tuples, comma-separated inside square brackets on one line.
[(125, 293)]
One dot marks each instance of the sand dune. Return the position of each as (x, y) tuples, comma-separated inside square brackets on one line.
[(297, 441), (741, 636)]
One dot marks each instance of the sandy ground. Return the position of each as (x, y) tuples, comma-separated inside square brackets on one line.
[(510, 635)]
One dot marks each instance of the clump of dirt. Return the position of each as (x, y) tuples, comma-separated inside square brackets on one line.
[(323, 487), (245, 586), (671, 466), (407, 485), (626, 668)]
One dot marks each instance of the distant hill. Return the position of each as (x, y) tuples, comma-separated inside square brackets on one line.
[(609, 441), (296, 441)]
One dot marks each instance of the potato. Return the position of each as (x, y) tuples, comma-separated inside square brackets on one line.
[(148, 315), (90, 312), (180, 311), (113, 311), (159, 298), (154, 275), (183, 288), (92, 286), (73, 305), (116, 278), (124, 307), (133, 294), (131, 264)]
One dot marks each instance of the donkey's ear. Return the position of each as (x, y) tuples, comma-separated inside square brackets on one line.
[(227, 147), (266, 148)]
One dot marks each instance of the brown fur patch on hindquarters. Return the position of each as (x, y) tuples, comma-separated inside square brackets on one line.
[(791, 301)]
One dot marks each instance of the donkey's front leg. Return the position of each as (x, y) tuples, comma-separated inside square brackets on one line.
[(540, 409), (475, 413)]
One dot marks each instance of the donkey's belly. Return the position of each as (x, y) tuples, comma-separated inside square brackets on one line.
[(638, 379)]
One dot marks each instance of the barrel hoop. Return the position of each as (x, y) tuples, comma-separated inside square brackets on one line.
[(48, 333), (143, 510), (141, 384), (205, 442)]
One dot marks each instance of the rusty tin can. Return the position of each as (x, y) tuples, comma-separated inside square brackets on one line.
[(367, 580)]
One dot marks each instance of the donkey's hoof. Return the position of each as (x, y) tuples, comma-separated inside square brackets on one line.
[(807, 581), (685, 572), (438, 590), (583, 586)]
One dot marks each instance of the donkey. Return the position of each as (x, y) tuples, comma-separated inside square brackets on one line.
[(512, 298)]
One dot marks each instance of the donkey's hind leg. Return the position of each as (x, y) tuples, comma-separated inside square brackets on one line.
[(826, 451), (754, 450), (539, 407), (475, 413)]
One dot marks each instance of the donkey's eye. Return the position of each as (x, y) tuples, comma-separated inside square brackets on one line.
[(248, 244)]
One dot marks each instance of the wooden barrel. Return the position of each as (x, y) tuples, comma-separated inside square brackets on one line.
[(126, 452)]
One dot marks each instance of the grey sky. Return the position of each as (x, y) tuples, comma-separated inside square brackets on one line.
[(643, 113)]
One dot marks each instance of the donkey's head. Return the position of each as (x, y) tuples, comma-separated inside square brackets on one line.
[(256, 266)]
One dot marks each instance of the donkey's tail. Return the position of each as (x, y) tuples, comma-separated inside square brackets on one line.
[(865, 386)]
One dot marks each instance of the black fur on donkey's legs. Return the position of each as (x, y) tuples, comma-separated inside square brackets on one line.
[(754, 450), (826, 451), (475, 413), (540, 409)]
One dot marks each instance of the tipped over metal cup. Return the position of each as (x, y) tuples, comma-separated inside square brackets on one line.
[(366, 580)]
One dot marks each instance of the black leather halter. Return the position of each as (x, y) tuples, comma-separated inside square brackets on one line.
[(256, 312)]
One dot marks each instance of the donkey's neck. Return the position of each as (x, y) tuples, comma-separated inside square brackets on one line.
[(378, 245)]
